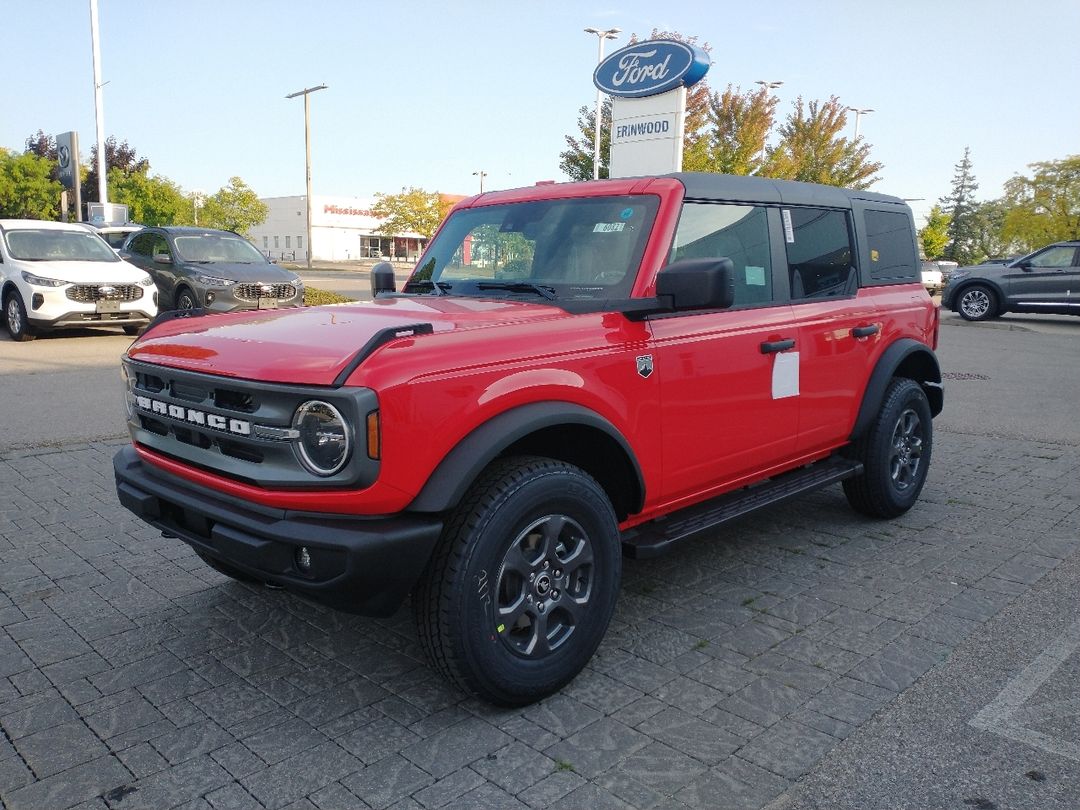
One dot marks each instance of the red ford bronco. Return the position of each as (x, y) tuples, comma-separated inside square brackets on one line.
[(571, 373)]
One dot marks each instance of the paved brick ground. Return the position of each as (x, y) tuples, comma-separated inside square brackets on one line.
[(132, 676)]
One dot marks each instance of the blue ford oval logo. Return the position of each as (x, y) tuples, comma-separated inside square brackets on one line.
[(649, 68)]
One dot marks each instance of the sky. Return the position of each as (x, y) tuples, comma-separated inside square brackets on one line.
[(427, 93)]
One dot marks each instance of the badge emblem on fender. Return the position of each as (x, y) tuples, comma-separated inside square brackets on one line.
[(644, 365)]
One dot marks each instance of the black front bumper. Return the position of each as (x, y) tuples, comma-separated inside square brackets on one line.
[(360, 565)]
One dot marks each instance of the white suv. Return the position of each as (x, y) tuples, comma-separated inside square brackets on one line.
[(55, 275)]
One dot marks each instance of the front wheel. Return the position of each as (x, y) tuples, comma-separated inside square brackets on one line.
[(895, 453), (977, 303), (185, 299), (520, 590), (15, 319)]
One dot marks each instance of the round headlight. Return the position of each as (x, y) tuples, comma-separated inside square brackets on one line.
[(324, 442)]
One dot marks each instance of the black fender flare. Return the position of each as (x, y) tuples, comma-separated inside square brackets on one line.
[(912, 356), (450, 480)]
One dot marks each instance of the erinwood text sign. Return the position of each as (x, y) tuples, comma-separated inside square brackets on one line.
[(647, 82)]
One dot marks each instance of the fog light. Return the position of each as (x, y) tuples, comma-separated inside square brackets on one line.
[(37, 301), (303, 559), (209, 298)]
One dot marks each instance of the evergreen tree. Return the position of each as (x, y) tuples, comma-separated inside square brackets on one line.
[(960, 205)]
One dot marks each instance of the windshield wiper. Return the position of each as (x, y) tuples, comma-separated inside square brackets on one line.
[(519, 286), (437, 287)]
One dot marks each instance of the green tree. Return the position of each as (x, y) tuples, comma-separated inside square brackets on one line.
[(811, 148), (988, 237), (27, 190), (1044, 207), (119, 156), (740, 123), (960, 206), (234, 207), (576, 161), (150, 200), (412, 211), (935, 235)]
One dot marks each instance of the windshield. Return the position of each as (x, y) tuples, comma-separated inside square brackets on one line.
[(217, 247), (51, 245), (588, 247)]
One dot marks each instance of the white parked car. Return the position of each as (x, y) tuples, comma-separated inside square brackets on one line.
[(932, 277), (55, 275)]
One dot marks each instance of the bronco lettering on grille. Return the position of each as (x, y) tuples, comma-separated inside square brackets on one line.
[(215, 421)]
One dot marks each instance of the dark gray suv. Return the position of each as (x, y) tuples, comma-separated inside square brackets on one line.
[(218, 271), (1047, 280)]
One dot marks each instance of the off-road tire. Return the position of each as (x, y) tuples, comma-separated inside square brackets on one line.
[(977, 302), (18, 326), (485, 557), (895, 453)]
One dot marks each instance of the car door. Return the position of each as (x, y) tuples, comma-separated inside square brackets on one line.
[(1047, 280), (837, 329), (728, 413)]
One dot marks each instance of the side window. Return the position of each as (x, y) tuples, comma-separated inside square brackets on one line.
[(891, 246), (142, 244), (1056, 256), (158, 245), (819, 252), (737, 232)]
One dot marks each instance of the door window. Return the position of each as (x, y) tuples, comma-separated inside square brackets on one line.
[(142, 244), (821, 259), (736, 232), (892, 249), (1055, 256)]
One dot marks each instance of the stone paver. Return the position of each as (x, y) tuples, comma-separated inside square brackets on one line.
[(132, 675)]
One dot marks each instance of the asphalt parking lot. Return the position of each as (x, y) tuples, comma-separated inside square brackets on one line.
[(804, 657)]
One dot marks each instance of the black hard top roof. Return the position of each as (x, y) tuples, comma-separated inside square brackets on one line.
[(738, 188)]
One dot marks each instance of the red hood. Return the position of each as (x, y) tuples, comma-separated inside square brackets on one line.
[(312, 345)]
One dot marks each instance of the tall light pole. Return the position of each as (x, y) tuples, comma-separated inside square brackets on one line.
[(859, 113), (768, 87), (307, 156), (481, 174), (102, 169), (611, 33)]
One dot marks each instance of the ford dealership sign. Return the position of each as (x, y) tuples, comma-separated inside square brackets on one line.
[(650, 68)]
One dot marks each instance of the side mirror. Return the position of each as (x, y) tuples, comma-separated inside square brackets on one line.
[(697, 284), (163, 258), (382, 278), (1025, 266)]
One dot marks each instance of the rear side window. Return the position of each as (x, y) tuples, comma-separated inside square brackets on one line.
[(892, 248), (821, 259), (142, 244), (737, 232)]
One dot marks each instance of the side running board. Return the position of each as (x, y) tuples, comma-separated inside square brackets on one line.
[(656, 537)]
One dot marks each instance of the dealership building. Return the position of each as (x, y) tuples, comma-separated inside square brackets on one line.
[(342, 229)]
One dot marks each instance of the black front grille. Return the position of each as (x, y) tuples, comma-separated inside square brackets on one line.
[(253, 292), (89, 293)]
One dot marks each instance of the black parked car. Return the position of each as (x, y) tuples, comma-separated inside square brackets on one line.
[(1047, 280), (215, 270)]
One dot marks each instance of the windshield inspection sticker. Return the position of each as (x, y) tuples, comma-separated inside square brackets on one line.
[(608, 227), (755, 276), (627, 213)]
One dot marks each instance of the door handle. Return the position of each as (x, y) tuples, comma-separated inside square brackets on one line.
[(771, 347), (865, 331)]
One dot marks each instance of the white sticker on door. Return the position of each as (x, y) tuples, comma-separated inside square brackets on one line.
[(785, 375)]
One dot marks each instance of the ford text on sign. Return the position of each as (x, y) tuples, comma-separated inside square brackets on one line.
[(649, 68)]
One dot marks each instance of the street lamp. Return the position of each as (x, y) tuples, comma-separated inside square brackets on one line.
[(307, 156), (610, 33), (481, 174), (767, 87), (859, 113)]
